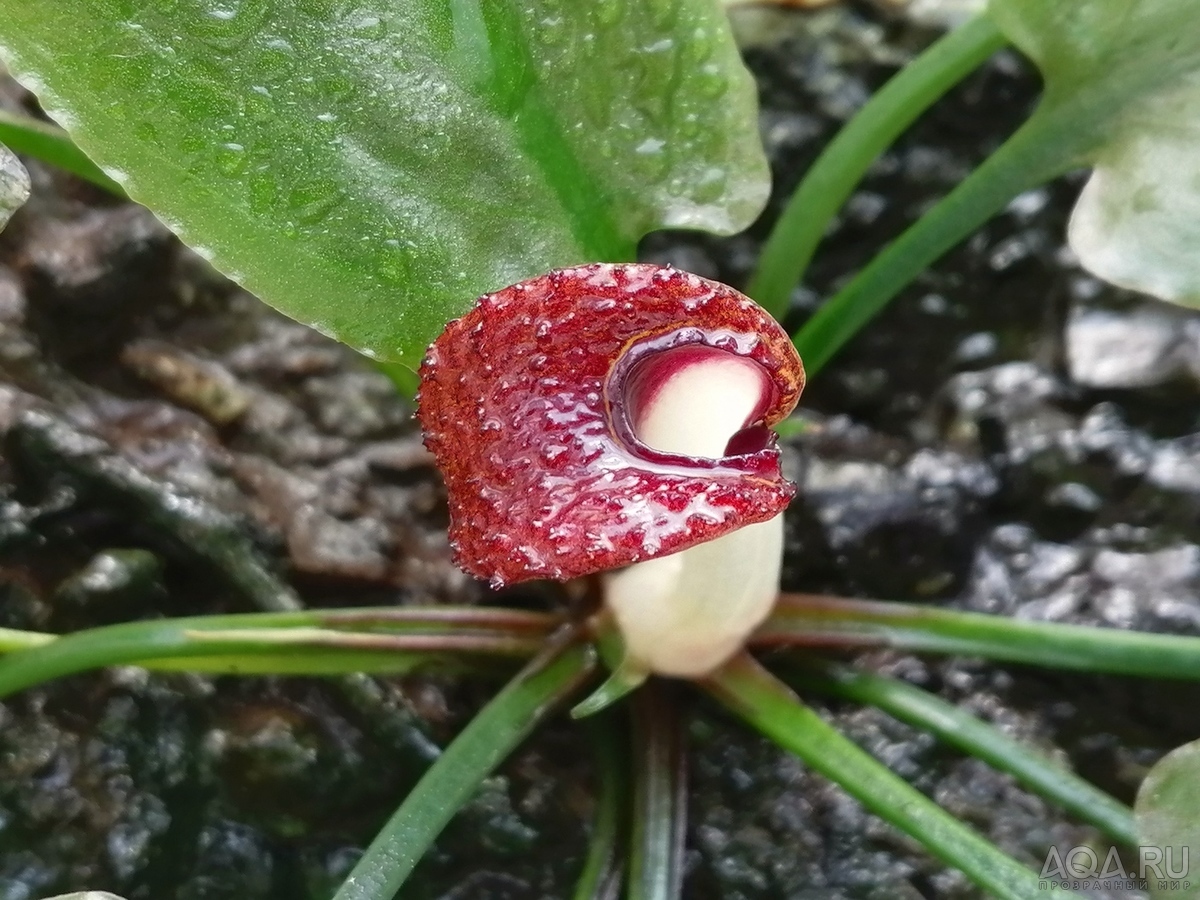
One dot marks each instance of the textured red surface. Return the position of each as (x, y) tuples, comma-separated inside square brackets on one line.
[(523, 405)]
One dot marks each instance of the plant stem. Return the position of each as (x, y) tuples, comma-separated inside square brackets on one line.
[(602, 871), (841, 166), (806, 620), (960, 729), (756, 696), (1030, 157), (450, 782), (659, 796), (49, 143)]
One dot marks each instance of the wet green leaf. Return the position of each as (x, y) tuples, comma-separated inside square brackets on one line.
[(1123, 95), (14, 185), (371, 167), (1168, 824)]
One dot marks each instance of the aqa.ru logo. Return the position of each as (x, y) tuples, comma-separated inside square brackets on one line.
[(1081, 868)]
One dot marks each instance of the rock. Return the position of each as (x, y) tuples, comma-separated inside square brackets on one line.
[(114, 576), (1145, 345), (95, 263), (942, 13), (14, 185), (196, 383), (320, 544)]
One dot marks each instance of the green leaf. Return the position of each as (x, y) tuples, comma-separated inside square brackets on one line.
[(756, 696), (832, 178), (603, 869), (51, 144), (959, 728), (370, 168), (11, 639), (659, 795), (1169, 825), (14, 185), (1123, 94), (809, 620), (498, 728), (311, 642)]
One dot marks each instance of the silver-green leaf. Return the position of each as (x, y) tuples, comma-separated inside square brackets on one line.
[(1123, 96), (1168, 823)]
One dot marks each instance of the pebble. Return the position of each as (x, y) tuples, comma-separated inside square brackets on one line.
[(1144, 345)]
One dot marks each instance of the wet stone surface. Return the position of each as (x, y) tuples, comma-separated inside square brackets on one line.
[(1010, 437)]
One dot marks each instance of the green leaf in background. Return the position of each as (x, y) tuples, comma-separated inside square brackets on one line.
[(1167, 817), (41, 140), (1123, 94), (14, 185), (372, 167)]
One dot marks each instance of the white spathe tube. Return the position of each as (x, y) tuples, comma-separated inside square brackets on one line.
[(686, 613)]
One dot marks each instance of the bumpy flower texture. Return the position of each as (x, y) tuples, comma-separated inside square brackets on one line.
[(616, 419)]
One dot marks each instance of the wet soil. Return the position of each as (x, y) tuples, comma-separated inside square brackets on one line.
[(1012, 437)]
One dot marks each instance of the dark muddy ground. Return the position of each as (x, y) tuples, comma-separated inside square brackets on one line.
[(1012, 437)]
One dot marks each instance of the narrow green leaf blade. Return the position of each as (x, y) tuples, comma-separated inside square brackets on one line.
[(765, 703), (12, 639), (313, 642), (370, 168), (603, 869), (1168, 824), (483, 744), (659, 796), (832, 178), (810, 620), (51, 144), (959, 728)]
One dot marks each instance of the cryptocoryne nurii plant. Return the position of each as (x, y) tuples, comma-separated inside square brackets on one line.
[(371, 169)]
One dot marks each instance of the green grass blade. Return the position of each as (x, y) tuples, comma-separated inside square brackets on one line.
[(316, 642), (960, 729), (659, 796), (601, 878), (767, 704), (841, 166), (49, 143), (1030, 157), (13, 639), (820, 621), (449, 783)]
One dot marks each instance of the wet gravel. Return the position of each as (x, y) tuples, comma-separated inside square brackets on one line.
[(1011, 437)]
